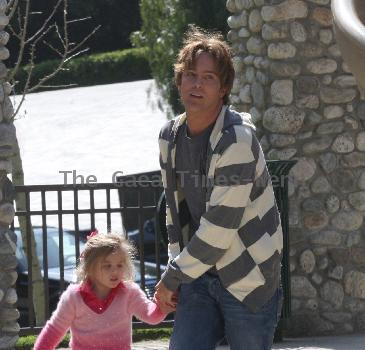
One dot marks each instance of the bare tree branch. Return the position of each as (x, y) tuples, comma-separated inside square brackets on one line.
[(12, 6), (24, 93), (23, 35), (47, 20), (82, 42), (9, 5), (47, 77), (28, 45), (70, 21), (58, 52), (76, 54), (65, 27), (27, 82), (67, 51), (40, 37), (13, 32), (62, 40), (57, 86), (19, 17)]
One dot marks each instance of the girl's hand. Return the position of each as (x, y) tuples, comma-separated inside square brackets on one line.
[(175, 298), (165, 308), (164, 295)]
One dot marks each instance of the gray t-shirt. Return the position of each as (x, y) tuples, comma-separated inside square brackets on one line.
[(191, 158)]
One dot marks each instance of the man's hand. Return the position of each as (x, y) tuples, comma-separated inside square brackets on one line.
[(166, 299), (166, 309)]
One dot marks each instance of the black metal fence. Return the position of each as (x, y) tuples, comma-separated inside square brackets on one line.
[(62, 216), (134, 202)]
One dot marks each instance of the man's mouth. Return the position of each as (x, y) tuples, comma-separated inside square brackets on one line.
[(195, 95)]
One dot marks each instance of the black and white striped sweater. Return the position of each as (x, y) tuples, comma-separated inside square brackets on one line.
[(240, 232)]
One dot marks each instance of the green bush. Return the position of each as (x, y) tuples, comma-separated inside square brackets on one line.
[(163, 25), (104, 68), (27, 342)]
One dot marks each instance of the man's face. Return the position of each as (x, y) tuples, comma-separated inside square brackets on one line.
[(200, 89)]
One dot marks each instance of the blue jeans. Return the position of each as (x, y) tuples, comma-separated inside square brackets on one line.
[(207, 312)]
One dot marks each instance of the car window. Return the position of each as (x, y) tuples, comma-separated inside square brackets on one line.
[(53, 248)]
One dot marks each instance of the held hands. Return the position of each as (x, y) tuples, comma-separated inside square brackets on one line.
[(165, 298), (166, 309)]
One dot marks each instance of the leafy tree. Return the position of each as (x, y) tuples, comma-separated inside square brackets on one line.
[(163, 25)]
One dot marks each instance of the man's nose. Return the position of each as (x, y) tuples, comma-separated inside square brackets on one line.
[(198, 81)]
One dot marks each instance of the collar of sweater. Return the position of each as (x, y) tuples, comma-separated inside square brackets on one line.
[(226, 118), (91, 299)]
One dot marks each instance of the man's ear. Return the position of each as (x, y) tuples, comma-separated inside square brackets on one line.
[(223, 91)]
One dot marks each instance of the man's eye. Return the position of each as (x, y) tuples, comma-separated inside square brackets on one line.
[(209, 77), (189, 74)]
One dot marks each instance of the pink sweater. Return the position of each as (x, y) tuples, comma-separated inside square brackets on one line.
[(111, 330)]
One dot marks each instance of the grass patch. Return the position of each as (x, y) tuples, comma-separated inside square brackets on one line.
[(151, 334), (27, 343)]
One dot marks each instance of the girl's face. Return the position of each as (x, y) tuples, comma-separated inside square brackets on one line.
[(107, 273)]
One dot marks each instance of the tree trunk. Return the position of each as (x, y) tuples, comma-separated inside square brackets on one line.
[(37, 280)]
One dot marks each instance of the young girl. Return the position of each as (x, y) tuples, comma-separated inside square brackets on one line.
[(99, 309)]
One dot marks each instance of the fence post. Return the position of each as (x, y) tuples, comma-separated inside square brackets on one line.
[(9, 328), (279, 171)]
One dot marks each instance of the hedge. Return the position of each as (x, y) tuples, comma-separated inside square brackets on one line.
[(104, 68)]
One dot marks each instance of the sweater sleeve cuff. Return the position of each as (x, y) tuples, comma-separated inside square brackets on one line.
[(171, 279), (49, 338)]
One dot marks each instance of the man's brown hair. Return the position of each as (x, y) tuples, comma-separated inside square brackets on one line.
[(197, 41)]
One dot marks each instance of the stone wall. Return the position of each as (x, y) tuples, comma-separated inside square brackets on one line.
[(9, 328), (290, 76)]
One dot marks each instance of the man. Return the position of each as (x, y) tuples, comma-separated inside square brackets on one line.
[(225, 237)]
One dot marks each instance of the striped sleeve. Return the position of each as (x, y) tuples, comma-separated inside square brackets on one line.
[(173, 246), (234, 175)]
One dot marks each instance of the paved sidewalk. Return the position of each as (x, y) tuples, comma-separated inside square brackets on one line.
[(345, 342)]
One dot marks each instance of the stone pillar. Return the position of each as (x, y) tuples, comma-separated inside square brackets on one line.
[(9, 328), (304, 101)]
